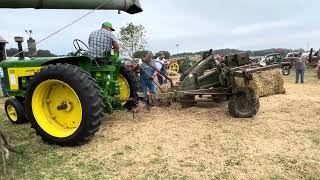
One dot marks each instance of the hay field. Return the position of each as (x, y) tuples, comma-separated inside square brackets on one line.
[(203, 142)]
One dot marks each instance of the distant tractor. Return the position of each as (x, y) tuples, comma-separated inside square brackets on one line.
[(181, 65), (277, 58)]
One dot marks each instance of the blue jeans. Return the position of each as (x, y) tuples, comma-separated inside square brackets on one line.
[(4, 90), (300, 75), (147, 85)]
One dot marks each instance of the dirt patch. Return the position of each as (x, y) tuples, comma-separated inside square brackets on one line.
[(202, 142), (282, 141)]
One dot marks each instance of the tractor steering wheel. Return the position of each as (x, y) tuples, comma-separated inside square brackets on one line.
[(76, 44)]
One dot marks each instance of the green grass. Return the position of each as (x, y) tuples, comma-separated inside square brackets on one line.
[(310, 76)]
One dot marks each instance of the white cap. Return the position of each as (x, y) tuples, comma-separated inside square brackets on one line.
[(2, 40)]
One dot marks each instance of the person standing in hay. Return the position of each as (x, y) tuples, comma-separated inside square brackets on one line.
[(300, 68)]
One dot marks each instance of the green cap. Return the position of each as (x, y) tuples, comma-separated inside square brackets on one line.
[(107, 24)]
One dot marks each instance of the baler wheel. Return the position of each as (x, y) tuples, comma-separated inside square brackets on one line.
[(242, 106), (64, 105), (188, 101)]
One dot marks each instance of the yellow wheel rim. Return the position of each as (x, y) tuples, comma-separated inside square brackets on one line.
[(124, 88), (174, 67), (56, 108), (12, 113)]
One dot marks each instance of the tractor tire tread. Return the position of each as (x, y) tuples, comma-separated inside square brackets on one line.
[(133, 81), (91, 103), (232, 106), (18, 106)]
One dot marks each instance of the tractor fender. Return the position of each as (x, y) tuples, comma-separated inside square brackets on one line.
[(80, 61)]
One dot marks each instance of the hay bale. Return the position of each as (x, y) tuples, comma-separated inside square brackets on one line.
[(265, 83), (164, 87)]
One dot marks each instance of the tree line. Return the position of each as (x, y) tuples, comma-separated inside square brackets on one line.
[(40, 53)]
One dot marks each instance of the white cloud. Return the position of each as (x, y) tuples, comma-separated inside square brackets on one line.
[(262, 27)]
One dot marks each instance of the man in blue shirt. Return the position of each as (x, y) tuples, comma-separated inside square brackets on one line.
[(147, 75)]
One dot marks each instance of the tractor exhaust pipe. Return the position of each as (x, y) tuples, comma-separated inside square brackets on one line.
[(129, 6), (19, 40)]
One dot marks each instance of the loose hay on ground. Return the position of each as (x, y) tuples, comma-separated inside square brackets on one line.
[(202, 142), (265, 83)]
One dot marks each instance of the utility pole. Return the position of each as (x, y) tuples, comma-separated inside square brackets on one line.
[(177, 45)]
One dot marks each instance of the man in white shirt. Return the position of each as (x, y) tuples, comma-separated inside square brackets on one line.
[(161, 64)]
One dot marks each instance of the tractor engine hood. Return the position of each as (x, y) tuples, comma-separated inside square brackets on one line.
[(129, 6)]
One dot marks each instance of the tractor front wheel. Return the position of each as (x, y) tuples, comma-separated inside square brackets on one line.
[(15, 111), (64, 105), (243, 106)]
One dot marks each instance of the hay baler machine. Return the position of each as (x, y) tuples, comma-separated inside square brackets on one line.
[(208, 80), (65, 98)]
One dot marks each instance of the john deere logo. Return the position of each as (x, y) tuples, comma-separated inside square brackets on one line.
[(31, 70), (12, 71)]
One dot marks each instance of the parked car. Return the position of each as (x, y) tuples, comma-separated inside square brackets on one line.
[(292, 57)]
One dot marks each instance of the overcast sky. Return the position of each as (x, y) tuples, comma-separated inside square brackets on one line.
[(195, 25)]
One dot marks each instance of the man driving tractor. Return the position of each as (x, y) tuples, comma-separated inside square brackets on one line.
[(102, 41)]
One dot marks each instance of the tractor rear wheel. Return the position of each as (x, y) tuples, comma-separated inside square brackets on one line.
[(242, 106), (64, 105), (129, 87), (15, 111)]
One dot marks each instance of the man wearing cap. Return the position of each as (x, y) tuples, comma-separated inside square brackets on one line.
[(102, 41)]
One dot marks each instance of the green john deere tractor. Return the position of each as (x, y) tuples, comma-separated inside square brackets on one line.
[(65, 98)]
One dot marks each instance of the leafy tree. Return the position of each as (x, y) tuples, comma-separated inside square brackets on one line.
[(132, 39), (166, 54), (41, 53), (13, 51), (45, 53), (139, 54)]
